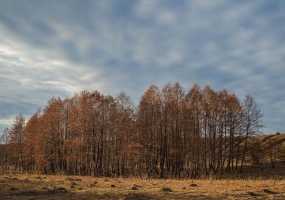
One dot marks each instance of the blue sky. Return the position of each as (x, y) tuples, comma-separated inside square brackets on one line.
[(56, 48)]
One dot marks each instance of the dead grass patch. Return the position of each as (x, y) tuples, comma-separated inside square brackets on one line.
[(92, 188)]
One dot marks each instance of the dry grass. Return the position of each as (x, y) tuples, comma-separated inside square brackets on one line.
[(33, 187)]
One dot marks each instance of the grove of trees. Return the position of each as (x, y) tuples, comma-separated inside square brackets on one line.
[(171, 133)]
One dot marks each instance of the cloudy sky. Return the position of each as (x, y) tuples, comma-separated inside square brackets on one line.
[(56, 48)]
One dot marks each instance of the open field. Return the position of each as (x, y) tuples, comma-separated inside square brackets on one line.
[(27, 187)]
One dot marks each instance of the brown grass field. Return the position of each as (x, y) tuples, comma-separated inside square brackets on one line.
[(34, 187)]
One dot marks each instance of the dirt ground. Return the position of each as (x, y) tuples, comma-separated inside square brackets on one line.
[(34, 187)]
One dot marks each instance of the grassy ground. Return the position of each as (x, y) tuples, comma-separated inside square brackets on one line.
[(27, 187)]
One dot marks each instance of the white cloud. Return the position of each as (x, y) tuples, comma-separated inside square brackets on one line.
[(7, 121)]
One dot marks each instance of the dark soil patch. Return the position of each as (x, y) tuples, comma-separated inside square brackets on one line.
[(73, 179), (138, 197), (134, 188), (13, 189), (59, 190), (47, 191), (31, 193), (93, 184), (254, 194), (269, 191), (73, 184), (166, 189)]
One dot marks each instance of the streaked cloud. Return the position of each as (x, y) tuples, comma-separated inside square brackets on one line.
[(57, 48)]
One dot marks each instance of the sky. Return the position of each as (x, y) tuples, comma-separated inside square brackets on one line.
[(57, 48)]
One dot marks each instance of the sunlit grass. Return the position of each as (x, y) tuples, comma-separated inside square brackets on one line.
[(22, 187)]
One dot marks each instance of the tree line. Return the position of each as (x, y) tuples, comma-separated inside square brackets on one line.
[(171, 133)]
